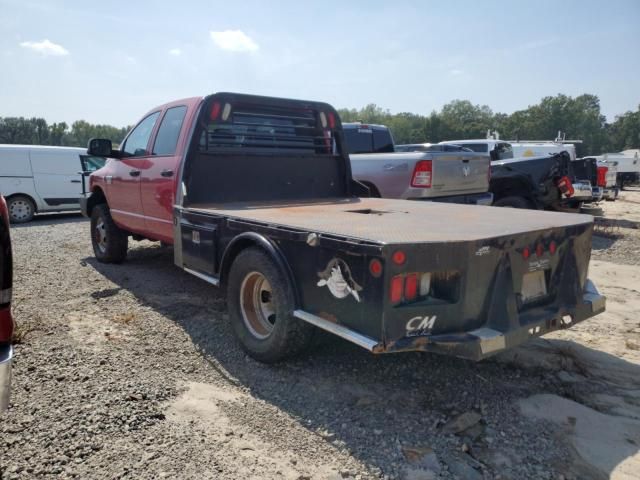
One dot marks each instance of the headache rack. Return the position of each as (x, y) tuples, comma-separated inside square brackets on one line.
[(246, 128)]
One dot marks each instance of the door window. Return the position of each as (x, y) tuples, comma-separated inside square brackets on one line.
[(91, 163), (138, 139), (169, 131)]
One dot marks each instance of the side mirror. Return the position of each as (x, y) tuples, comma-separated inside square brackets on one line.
[(100, 147)]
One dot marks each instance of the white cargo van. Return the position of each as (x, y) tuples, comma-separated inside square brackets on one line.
[(37, 179)]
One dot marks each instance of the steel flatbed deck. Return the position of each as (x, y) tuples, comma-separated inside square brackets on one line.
[(387, 221)]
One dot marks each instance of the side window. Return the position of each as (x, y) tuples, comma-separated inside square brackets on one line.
[(382, 141), (169, 131), (138, 139), (91, 164)]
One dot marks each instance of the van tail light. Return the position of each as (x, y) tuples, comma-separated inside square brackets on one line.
[(422, 174), (602, 176), (411, 287), (565, 186), (397, 287)]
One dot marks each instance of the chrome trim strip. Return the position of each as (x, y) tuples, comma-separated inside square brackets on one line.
[(212, 280), (336, 329), (6, 358), (146, 217)]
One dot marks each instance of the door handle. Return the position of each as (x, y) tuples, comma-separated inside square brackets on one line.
[(167, 173), (134, 173), (76, 181)]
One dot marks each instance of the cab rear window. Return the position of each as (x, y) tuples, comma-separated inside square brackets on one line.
[(368, 140), (246, 128)]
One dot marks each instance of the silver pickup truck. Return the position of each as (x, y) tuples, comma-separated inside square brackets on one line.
[(420, 172)]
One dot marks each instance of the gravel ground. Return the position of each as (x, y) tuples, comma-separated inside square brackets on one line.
[(131, 371)]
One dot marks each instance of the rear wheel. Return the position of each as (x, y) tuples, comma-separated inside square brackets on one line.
[(109, 241), (261, 303), (513, 202), (21, 209)]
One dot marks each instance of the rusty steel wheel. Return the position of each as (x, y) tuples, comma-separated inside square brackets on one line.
[(257, 305)]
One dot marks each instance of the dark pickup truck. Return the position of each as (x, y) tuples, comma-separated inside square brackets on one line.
[(256, 194)]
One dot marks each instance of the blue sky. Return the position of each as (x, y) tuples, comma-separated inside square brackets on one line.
[(110, 62)]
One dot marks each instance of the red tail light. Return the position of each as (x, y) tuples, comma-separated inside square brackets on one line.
[(6, 324), (565, 186), (375, 267), (397, 285), (526, 252), (411, 286), (4, 211), (399, 257), (422, 174), (552, 247), (602, 176)]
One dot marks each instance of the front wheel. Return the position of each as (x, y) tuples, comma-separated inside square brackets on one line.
[(261, 302), (109, 241), (21, 209)]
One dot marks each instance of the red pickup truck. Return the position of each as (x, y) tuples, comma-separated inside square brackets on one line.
[(256, 193)]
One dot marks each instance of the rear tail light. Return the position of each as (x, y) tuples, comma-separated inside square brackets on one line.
[(552, 247), (399, 257), (6, 324), (411, 287), (375, 267), (397, 286), (602, 176), (422, 174), (565, 186), (4, 211), (526, 253)]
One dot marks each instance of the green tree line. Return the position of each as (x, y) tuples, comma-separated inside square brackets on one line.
[(578, 117), (36, 131)]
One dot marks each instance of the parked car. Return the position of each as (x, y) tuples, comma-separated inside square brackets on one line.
[(37, 179), (528, 182), (256, 194), (428, 172), (6, 320)]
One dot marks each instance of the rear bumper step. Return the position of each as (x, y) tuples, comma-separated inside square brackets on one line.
[(473, 345)]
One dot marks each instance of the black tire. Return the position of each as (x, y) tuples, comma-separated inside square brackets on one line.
[(109, 241), (513, 202), (260, 300), (21, 209)]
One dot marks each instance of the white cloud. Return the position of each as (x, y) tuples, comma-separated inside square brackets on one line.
[(234, 41), (176, 52), (46, 47)]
